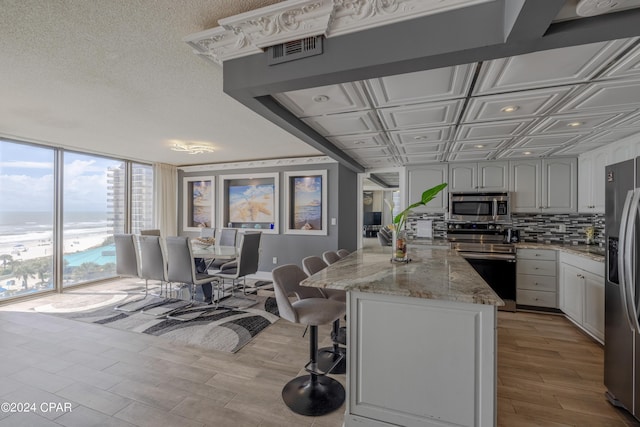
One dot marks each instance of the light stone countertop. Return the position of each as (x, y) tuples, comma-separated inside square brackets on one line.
[(436, 272), (591, 252)]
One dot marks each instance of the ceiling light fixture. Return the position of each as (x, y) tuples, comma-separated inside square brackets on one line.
[(420, 137), (526, 153), (479, 146), (359, 142), (320, 98), (191, 148), (509, 108), (574, 124)]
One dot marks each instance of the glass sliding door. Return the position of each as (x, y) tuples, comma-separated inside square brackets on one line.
[(94, 208), (27, 188), (141, 197)]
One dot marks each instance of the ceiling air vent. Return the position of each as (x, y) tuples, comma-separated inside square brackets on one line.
[(296, 49)]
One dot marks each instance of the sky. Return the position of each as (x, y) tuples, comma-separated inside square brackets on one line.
[(27, 179)]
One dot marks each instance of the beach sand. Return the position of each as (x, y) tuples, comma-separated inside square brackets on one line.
[(39, 248)]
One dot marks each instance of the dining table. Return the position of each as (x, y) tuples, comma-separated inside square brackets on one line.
[(214, 251)]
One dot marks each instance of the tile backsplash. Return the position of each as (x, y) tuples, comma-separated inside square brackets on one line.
[(542, 228), (559, 228)]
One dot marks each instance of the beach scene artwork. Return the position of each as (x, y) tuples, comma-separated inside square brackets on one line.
[(252, 203), (307, 203), (201, 203)]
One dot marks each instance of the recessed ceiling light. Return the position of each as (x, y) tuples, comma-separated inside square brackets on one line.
[(509, 108), (321, 98), (574, 124), (479, 146), (526, 153)]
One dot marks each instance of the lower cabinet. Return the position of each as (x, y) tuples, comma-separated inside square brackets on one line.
[(536, 280), (582, 293)]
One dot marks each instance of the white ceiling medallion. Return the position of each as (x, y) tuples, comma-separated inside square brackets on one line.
[(253, 31), (598, 7), (281, 22)]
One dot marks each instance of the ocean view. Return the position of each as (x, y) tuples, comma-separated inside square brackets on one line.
[(34, 230)]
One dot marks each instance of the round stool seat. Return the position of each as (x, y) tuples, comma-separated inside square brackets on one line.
[(318, 311)]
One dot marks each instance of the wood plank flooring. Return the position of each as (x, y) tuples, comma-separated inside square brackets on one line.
[(549, 374)]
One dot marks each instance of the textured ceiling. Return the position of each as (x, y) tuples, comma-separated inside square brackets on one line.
[(560, 102), (115, 77)]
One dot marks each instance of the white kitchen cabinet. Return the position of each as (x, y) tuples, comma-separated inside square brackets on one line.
[(572, 290), (591, 180), (425, 177), (481, 177), (582, 293), (543, 186), (536, 278), (593, 317)]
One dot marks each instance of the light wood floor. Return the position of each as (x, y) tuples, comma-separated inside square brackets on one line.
[(549, 374)]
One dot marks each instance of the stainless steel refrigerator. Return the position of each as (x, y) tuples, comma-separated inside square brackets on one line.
[(622, 326)]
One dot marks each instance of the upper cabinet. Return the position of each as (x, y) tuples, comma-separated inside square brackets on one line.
[(543, 186), (424, 177), (591, 170), (481, 177)]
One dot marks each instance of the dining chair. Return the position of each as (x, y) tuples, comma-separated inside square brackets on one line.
[(127, 262), (316, 393), (150, 232), (246, 263), (181, 269), (151, 266), (330, 257), (227, 237), (207, 233)]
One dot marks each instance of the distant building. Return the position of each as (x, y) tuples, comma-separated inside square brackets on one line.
[(141, 197)]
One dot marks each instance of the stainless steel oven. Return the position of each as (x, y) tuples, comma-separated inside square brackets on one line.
[(487, 249), (479, 207)]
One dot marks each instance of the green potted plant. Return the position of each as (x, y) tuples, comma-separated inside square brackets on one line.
[(400, 220)]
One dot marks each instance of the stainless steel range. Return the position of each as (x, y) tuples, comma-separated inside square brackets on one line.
[(487, 247)]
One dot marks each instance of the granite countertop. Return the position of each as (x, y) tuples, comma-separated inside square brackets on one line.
[(592, 252), (436, 272)]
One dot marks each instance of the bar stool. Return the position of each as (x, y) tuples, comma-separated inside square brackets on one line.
[(314, 394), (327, 356)]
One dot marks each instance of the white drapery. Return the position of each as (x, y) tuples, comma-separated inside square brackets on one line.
[(165, 200)]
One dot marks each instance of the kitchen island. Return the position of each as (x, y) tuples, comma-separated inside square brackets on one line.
[(421, 338)]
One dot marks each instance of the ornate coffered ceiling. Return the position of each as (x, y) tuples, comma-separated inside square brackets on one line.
[(557, 102)]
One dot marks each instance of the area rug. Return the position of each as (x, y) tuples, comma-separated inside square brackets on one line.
[(222, 329)]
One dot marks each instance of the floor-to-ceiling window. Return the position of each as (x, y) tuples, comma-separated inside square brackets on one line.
[(96, 197), (27, 189), (94, 203)]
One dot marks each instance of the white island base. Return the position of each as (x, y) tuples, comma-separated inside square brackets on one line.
[(420, 362)]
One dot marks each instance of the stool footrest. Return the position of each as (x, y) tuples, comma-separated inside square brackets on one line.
[(309, 367)]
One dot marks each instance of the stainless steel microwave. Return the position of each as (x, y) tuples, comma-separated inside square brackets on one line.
[(479, 207)]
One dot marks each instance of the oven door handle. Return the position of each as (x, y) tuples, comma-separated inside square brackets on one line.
[(475, 255), (495, 209)]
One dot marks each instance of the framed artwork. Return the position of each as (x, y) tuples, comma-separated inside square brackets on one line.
[(198, 200), (250, 202), (306, 202)]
